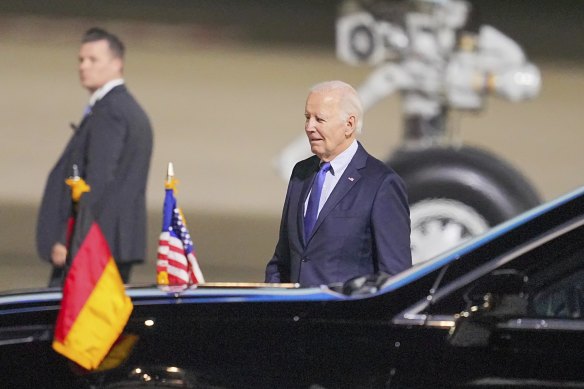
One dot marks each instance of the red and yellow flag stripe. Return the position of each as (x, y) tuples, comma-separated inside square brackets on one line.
[(95, 307)]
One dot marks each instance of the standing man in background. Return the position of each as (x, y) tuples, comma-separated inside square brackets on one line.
[(111, 147), (346, 213)]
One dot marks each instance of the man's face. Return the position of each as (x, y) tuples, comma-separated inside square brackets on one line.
[(97, 65), (328, 132)]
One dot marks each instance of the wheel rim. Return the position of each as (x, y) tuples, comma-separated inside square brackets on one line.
[(441, 224)]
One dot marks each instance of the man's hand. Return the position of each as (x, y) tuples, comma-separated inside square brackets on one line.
[(59, 255)]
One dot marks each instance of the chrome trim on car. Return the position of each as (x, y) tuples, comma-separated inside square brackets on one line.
[(543, 324), (435, 321), (440, 321), (410, 320), (499, 382), (25, 334)]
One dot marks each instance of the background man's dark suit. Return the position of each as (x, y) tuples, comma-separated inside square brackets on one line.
[(363, 227), (112, 148)]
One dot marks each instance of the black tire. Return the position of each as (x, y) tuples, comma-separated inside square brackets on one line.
[(467, 186)]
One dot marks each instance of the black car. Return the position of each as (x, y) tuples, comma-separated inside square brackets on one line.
[(504, 310)]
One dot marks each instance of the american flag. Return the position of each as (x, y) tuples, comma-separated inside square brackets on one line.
[(177, 263)]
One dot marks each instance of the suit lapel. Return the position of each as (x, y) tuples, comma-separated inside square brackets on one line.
[(86, 116), (83, 120), (114, 90), (349, 178)]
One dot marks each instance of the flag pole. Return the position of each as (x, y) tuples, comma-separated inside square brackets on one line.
[(162, 266), (78, 187), (169, 172)]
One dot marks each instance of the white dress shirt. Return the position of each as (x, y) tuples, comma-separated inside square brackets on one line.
[(101, 92)]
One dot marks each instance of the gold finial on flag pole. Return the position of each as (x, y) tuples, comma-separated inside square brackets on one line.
[(170, 180), (77, 185), (170, 172)]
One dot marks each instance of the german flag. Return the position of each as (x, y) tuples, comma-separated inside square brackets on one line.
[(95, 307)]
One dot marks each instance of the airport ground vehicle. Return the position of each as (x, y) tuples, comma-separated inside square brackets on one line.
[(504, 309)]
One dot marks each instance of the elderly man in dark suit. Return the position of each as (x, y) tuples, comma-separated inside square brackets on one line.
[(346, 213), (111, 147)]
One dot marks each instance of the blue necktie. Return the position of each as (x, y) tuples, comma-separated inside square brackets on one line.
[(314, 200), (87, 110)]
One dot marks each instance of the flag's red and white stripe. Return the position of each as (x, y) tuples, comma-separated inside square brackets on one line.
[(181, 268)]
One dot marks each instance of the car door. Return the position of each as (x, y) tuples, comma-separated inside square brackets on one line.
[(515, 320), (532, 333), (545, 344)]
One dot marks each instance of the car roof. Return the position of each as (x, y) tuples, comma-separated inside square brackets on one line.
[(454, 254)]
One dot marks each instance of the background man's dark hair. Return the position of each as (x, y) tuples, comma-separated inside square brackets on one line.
[(98, 34)]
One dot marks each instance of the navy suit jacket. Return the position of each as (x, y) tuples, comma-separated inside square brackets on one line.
[(112, 148), (363, 228)]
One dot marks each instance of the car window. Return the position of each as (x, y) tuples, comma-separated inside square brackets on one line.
[(549, 273), (563, 299)]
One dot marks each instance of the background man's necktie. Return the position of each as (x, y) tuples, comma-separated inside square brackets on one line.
[(87, 110), (313, 201)]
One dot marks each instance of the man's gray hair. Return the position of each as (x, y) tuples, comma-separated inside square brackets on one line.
[(350, 101)]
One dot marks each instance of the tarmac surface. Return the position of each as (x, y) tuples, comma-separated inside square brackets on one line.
[(222, 112)]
